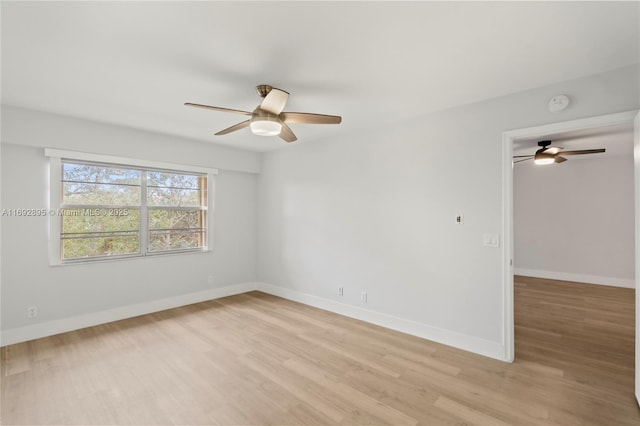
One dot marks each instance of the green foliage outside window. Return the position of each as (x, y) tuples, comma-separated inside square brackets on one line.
[(104, 208)]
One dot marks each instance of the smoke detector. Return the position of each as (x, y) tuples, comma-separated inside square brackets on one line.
[(558, 103)]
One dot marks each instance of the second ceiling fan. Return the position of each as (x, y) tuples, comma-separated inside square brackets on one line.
[(268, 119), (553, 154)]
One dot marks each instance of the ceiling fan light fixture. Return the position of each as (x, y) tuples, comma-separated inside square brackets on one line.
[(265, 126), (542, 158), (544, 161)]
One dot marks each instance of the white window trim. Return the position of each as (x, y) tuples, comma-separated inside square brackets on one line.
[(55, 175)]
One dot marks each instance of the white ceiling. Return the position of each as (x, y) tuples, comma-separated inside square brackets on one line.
[(374, 63)]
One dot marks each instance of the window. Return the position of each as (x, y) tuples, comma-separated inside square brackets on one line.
[(100, 210), (177, 205), (108, 210)]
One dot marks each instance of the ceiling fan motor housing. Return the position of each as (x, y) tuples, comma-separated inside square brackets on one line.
[(263, 89)]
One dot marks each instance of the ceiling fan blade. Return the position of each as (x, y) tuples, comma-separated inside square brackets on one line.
[(309, 118), (287, 134), (237, 111), (559, 159), (522, 156), (233, 128), (275, 101), (520, 161), (584, 151)]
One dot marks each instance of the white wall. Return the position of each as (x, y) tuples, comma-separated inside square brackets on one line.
[(63, 293), (575, 221), (36, 128), (374, 211)]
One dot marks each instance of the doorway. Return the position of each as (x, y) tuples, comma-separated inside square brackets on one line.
[(508, 140), (574, 220)]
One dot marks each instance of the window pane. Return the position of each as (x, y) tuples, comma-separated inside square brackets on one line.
[(99, 246), (99, 232), (163, 219), (172, 180), (171, 229), (100, 174), (100, 194), (168, 240), (100, 185), (177, 190), (90, 221), (178, 197)]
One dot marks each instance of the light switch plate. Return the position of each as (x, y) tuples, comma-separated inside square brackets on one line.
[(491, 240)]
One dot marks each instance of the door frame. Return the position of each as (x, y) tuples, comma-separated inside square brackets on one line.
[(508, 138), (636, 170)]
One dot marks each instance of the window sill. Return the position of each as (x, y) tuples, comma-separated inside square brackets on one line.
[(109, 259)]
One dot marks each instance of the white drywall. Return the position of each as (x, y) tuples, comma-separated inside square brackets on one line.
[(36, 128), (575, 220), (375, 211), (73, 291)]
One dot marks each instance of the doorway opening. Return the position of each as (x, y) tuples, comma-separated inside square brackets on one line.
[(509, 141), (573, 251)]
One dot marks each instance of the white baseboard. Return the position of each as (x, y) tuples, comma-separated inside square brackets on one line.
[(579, 278), (425, 331), (44, 329)]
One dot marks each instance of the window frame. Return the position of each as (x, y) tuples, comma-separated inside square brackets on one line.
[(56, 158)]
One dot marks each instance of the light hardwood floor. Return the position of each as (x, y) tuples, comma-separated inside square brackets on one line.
[(258, 359)]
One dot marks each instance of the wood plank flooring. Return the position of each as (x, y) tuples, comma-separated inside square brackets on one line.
[(258, 359)]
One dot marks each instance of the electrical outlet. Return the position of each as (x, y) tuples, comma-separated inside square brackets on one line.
[(363, 296), (340, 291), (32, 311), (210, 278)]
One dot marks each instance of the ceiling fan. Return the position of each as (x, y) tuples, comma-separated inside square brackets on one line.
[(268, 119), (553, 154)]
